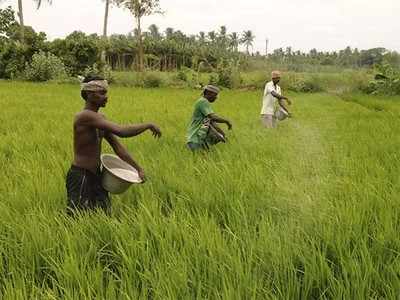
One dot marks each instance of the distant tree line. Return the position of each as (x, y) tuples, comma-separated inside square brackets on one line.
[(163, 51), (348, 57)]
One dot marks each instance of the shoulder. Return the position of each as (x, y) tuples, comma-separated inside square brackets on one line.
[(87, 115), (201, 101), (269, 86)]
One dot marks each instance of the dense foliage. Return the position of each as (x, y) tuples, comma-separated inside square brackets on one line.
[(217, 52)]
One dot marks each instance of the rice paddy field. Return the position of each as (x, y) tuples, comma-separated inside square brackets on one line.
[(310, 210)]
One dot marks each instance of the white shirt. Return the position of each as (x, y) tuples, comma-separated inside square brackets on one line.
[(269, 101)]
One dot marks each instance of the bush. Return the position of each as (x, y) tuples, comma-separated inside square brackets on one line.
[(12, 60), (306, 85), (225, 78), (182, 75), (152, 80), (386, 81), (205, 67), (229, 74), (213, 79), (45, 66), (98, 69), (77, 51)]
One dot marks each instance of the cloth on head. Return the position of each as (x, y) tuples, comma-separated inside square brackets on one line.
[(212, 88), (275, 74), (95, 86)]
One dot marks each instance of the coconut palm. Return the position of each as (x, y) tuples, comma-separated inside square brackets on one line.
[(212, 36), (247, 39), (169, 32), (234, 41), (222, 31), (105, 27), (202, 37), (140, 9), (21, 14), (154, 31), (222, 37), (39, 2)]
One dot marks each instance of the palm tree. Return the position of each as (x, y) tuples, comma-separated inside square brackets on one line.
[(154, 31), (21, 15), (222, 39), (106, 18), (169, 32), (39, 2), (139, 9), (234, 41), (212, 36), (105, 27), (247, 39), (202, 37), (222, 31)]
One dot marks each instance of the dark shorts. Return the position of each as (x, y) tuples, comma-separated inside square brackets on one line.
[(85, 192)]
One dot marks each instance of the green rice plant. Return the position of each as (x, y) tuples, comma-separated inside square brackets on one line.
[(307, 211)]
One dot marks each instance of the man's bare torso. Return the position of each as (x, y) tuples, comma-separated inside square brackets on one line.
[(87, 144)]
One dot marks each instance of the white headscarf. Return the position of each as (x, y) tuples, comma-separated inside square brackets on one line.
[(94, 86), (211, 88), (275, 74)]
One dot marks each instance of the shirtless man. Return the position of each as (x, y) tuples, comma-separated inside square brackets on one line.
[(83, 183)]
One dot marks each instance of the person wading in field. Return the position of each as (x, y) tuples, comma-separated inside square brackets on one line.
[(83, 182), (203, 130), (272, 96)]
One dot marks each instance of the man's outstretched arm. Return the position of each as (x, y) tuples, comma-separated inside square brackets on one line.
[(100, 122)]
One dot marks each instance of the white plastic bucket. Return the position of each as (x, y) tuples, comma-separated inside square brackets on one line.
[(117, 175)]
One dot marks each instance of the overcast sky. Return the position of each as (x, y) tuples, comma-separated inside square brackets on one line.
[(321, 24)]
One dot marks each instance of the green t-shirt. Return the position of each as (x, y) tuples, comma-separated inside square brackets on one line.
[(202, 109)]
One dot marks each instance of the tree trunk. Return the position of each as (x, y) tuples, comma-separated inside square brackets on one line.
[(103, 53), (106, 18), (21, 20), (141, 54)]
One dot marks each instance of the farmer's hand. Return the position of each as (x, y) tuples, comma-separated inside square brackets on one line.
[(229, 124), (155, 130), (288, 101)]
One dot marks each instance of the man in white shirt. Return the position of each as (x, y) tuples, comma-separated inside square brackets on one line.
[(272, 96)]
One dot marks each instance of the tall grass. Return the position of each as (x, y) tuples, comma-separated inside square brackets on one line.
[(308, 211), (341, 82)]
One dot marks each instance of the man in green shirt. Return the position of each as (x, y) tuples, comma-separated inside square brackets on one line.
[(203, 130)]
